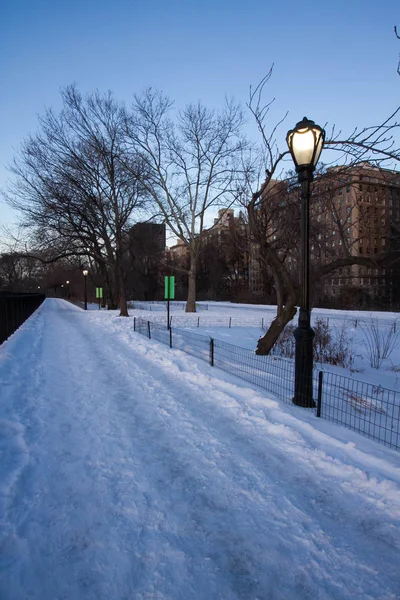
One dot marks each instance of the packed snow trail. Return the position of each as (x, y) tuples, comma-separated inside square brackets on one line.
[(130, 472)]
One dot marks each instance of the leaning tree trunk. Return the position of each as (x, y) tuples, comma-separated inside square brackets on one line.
[(284, 317), (279, 295), (285, 313)]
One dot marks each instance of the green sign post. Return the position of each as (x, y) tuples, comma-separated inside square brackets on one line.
[(99, 295), (169, 292)]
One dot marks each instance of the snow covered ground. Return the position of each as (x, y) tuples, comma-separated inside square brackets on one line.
[(131, 471), (241, 324)]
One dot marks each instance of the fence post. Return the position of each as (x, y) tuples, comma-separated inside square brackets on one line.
[(134, 323), (230, 322), (319, 401), (212, 352), (198, 321), (262, 323), (170, 337), (148, 328)]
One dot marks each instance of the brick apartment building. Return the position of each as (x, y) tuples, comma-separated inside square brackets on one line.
[(354, 211), (226, 262), (360, 210)]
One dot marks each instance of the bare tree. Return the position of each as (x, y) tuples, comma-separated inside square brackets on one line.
[(19, 273), (193, 163), (275, 234), (73, 188)]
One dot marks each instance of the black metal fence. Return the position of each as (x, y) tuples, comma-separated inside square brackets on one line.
[(368, 409), (15, 309), (160, 305)]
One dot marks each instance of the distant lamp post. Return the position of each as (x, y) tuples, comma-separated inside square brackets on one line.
[(68, 294), (305, 143), (85, 274)]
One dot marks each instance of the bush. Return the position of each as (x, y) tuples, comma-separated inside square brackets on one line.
[(333, 346), (285, 345), (380, 341), (322, 341)]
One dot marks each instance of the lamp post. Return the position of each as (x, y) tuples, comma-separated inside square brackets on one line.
[(68, 294), (85, 274), (305, 143)]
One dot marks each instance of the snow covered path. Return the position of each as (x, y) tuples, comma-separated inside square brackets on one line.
[(131, 472)]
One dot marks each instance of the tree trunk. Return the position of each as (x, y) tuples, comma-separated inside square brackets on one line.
[(279, 295), (123, 307), (191, 299), (268, 340), (120, 285)]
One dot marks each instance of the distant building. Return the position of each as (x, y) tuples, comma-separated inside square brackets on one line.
[(359, 208), (179, 252), (146, 252), (354, 212), (223, 226)]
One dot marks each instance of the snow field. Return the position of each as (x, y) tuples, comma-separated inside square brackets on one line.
[(134, 471), (246, 329)]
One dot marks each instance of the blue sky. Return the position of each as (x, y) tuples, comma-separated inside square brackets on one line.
[(334, 62)]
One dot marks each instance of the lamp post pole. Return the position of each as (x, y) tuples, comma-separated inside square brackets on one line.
[(85, 274), (305, 143), (304, 334)]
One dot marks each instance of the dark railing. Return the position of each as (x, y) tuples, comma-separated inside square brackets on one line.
[(15, 309), (268, 372), (159, 305), (194, 320), (368, 409)]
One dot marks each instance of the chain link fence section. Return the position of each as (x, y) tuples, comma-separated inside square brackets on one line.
[(367, 409)]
